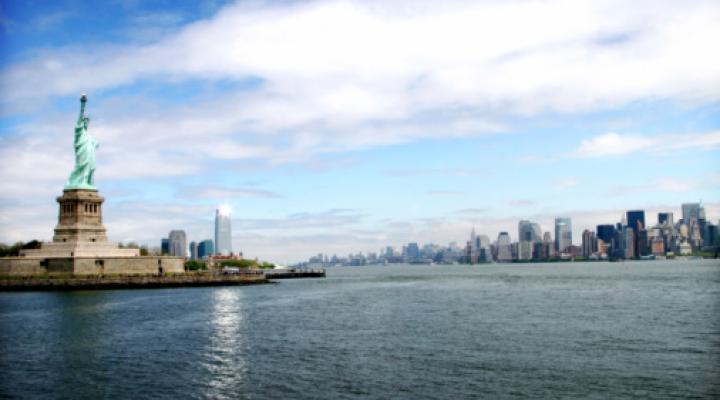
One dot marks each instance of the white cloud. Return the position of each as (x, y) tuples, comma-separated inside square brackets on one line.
[(614, 144), (223, 193)]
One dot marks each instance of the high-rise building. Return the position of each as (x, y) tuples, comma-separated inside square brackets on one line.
[(605, 233), (690, 211), (636, 222), (504, 247), (193, 251), (205, 249), (628, 243), (529, 233), (413, 252), (665, 218), (589, 244), (636, 219), (178, 243), (548, 245), (643, 243), (164, 246), (563, 233), (389, 251), (223, 231)]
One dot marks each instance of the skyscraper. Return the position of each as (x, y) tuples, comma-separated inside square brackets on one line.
[(690, 211), (504, 247), (636, 222), (178, 243), (665, 218), (205, 249), (529, 233), (563, 233), (193, 250), (223, 231), (606, 233), (412, 252), (164, 246), (636, 219), (589, 244)]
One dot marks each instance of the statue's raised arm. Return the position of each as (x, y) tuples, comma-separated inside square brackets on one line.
[(81, 176), (83, 100)]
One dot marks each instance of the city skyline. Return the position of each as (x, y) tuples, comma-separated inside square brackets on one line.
[(345, 125)]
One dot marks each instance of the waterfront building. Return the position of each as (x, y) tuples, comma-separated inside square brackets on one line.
[(223, 231), (548, 245), (529, 233), (205, 249), (193, 251), (484, 252), (636, 222), (665, 218), (636, 219), (618, 244), (657, 244), (628, 243), (412, 252), (563, 234), (504, 247), (642, 242), (164, 246), (178, 243), (606, 232), (691, 211), (589, 243), (389, 251)]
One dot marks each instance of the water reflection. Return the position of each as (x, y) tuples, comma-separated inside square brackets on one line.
[(224, 356), (79, 330)]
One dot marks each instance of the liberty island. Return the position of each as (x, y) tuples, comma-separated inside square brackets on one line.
[(80, 248)]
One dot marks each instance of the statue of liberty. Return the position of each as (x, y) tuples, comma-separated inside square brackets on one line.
[(81, 176)]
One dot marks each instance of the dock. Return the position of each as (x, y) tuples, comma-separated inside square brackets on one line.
[(294, 273)]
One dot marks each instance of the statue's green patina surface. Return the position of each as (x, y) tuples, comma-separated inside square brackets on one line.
[(81, 176)]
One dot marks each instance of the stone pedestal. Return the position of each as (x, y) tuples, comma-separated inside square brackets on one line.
[(80, 217), (80, 231)]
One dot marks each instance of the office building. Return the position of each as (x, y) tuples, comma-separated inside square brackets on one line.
[(563, 234), (529, 233), (205, 249), (605, 233), (691, 211), (178, 243), (589, 243), (504, 247), (412, 252), (636, 222), (193, 251), (665, 218), (223, 231), (164, 246)]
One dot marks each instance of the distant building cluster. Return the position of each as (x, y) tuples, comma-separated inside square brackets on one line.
[(207, 250), (631, 238)]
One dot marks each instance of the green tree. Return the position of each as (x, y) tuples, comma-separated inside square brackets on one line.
[(195, 265)]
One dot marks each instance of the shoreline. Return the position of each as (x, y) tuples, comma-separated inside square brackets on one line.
[(50, 283)]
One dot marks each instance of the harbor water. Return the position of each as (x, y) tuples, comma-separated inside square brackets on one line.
[(592, 330)]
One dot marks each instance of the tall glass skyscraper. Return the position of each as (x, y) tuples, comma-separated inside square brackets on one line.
[(205, 248), (504, 250), (223, 231), (563, 233), (529, 233), (178, 243)]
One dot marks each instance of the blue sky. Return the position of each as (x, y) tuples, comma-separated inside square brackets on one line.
[(340, 127)]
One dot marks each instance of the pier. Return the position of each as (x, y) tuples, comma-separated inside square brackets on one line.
[(295, 273)]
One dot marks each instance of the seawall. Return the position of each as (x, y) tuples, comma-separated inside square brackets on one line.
[(126, 282)]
